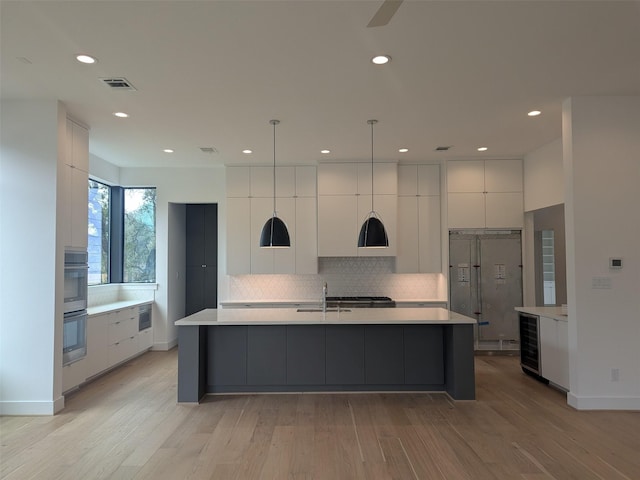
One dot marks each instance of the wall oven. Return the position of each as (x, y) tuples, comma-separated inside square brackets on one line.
[(74, 342), (74, 333), (76, 271)]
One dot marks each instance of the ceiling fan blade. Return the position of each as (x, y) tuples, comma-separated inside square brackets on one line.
[(385, 13)]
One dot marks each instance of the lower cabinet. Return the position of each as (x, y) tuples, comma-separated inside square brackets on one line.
[(74, 374), (554, 351), (306, 355), (345, 354), (272, 357), (266, 355), (112, 338)]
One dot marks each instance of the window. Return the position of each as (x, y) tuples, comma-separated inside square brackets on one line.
[(98, 232), (139, 235), (121, 234)]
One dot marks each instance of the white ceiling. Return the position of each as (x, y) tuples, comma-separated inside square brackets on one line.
[(212, 74)]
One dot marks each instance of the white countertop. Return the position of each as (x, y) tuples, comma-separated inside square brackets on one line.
[(290, 316), (110, 307), (549, 312)]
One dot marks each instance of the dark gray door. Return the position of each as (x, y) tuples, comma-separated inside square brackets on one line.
[(201, 257)]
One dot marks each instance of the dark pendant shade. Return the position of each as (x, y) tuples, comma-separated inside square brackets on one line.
[(275, 234), (373, 234)]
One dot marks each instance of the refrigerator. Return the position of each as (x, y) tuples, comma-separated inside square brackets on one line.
[(485, 283)]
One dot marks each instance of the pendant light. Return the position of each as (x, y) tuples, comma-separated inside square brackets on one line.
[(274, 233), (372, 233)]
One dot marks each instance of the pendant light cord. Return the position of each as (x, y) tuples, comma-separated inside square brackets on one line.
[(274, 123), (372, 123)]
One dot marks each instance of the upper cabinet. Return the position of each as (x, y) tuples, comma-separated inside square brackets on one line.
[(344, 202), (250, 204), (485, 194), (73, 171), (419, 225)]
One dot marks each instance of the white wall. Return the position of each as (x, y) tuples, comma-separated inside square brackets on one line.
[(544, 177), (178, 185), (31, 257), (602, 190)]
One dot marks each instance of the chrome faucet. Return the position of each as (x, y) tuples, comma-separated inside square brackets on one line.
[(324, 298)]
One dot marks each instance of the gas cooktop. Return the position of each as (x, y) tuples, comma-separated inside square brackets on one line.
[(363, 301)]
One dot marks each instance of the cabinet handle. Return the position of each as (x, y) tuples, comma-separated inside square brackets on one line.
[(203, 266)]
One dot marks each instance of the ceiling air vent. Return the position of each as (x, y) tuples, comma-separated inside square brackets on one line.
[(443, 149), (211, 150), (118, 83)]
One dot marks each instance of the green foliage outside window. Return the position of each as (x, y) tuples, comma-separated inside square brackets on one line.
[(139, 235)]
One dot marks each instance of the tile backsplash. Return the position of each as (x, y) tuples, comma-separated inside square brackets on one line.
[(345, 276), (116, 292)]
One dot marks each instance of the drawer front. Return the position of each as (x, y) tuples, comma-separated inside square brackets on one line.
[(122, 350), (121, 330)]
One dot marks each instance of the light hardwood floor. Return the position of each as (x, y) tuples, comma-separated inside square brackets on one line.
[(127, 425)]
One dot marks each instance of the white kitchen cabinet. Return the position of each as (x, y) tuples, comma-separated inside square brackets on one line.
[(77, 148), (344, 200), (239, 235), (74, 186), (97, 344), (337, 225), (419, 226), (554, 351), (122, 331), (247, 215), (306, 240), (262, 182), (485, 194), (306, 181), (145, 339), (338, 179), (73, 374)]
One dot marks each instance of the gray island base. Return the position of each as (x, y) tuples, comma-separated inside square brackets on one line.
[(282, 350)]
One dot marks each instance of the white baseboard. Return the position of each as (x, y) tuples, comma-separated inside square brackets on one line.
[(29, 408), (603, 403), (165, 346)]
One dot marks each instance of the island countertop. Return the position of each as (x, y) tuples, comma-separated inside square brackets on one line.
[(354, 316)]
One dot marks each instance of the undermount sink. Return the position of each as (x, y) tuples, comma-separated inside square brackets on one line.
[(315, 310)]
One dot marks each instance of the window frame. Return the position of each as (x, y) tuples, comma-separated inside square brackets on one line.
[(115, 274)]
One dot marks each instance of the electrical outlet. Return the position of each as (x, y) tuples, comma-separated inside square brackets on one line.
[(615, 374)]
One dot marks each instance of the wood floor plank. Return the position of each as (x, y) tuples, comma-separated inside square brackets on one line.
[(126, 425)]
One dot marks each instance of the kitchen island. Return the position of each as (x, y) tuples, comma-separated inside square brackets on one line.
[(287, 350)]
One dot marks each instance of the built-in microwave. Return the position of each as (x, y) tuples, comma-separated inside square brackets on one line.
[(74, 337), (144, 321), (76, 271)]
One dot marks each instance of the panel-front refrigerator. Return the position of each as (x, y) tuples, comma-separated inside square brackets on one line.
[(485, 282)]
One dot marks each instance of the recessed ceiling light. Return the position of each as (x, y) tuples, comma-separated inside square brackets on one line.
[(482, 149), (247, 151), (121, 114), (403, 150), (168, 150), (534, 113), (381, 59), (86, 58), (325, 151)]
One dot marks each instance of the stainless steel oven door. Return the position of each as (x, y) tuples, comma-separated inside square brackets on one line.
[(76, 276), (75, 287), (74, 337)]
